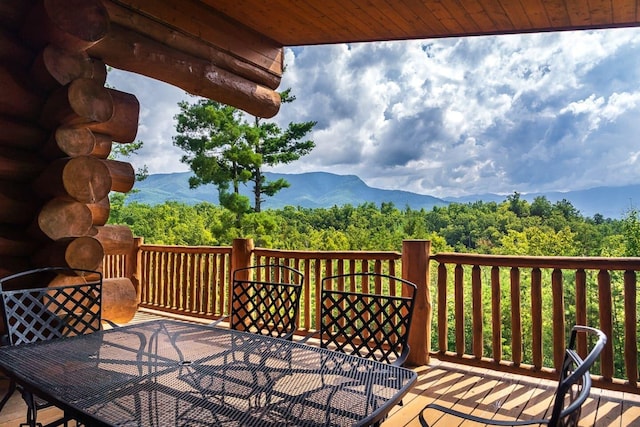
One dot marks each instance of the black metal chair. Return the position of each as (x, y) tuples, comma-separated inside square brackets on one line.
[(573, 388), (266, 300), (367, 324), (43, 313)]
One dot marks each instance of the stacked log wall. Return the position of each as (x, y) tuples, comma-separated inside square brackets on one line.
[(58, 122)]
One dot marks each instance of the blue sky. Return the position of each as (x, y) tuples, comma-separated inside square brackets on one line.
[(449, 117)]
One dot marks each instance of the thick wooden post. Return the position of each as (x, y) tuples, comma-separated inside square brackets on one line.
[(133, 265), (415, 268), (241, 251)]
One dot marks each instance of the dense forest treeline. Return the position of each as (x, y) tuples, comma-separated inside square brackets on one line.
[(514, 226)]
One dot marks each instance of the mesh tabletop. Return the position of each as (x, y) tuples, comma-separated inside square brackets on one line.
[(169, 373)]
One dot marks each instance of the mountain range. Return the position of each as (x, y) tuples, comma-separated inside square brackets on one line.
[(324, 190)]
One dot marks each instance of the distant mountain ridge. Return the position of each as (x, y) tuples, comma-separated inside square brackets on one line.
[(324, 190)]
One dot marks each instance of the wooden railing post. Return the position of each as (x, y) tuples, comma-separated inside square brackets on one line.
[(133, 265), (415, 268), (241, 252)]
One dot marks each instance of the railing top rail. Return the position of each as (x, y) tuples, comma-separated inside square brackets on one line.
[(370, 255), (587, 263), (187, 249)]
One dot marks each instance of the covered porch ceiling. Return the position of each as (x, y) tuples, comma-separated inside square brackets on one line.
[(293, 23), (232, 51)]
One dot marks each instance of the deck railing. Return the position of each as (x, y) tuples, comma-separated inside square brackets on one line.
[(514, 313), (508, 313)]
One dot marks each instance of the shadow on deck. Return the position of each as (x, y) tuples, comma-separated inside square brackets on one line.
[(480, 391)]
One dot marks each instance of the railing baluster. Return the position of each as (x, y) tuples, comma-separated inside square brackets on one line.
[(459, 308), (606, 322), (536, 317), (496, 314), (516, 316), (207, 296), (443, 310), (307, 295), (476, 308), (559, 335), (630, 331), (581, 309), (317, 280)]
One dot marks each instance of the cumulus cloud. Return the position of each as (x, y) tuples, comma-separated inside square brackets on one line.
[(448, 117)]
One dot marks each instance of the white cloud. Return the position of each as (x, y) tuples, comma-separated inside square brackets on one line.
[(447, 117)]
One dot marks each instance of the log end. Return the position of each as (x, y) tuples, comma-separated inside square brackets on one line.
[(86, 179), (119, 300)]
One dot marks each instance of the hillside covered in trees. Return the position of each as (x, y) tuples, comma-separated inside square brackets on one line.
[(514, 226)]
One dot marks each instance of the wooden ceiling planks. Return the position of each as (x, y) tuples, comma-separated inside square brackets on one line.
[(537, 14), (337, 21)]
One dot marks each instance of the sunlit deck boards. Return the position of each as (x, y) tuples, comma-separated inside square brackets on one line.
[(501, 395), (485, 392)]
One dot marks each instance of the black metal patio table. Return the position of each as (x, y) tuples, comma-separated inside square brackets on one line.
[(172, 373)]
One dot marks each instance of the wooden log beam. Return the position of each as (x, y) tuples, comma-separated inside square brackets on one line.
[(123, 177), (80, 103), (128, 50), (19, 165), (100, 211), (12, 51), (54, 67), (81, 252), (70, 141), (73, 25), (60, 218), (12, 264), (119, 300), (264, 69), (195, 18), (13, 13), (115, 239), (123, 124), (22, 135), (16, 242), (85, 179), (16, 98), (18, 205), (69, 279)]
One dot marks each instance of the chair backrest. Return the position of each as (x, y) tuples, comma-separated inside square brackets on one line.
[(574, 385), (43, 312), (266, 300), (368, 324)]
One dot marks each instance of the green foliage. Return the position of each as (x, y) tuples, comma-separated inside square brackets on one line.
[(223, 148), (476, 227), (631, 227)]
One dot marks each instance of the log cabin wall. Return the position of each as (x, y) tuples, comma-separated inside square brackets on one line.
[(58, 122)]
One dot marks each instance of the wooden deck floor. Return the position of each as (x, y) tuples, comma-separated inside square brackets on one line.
[(482, 392)]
